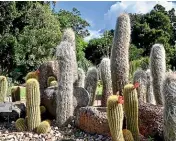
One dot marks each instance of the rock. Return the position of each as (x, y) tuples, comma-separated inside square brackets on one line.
[(92, 120), (81, 97), (151, 120), (48, 100), (47, 69)]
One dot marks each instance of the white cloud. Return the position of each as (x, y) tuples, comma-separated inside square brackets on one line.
[(93, 34), (132, 7), (90, 22)]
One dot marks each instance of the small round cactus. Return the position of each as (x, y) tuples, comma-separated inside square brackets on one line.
[(127, 135), (50, 79), (34, 75), (20, 125), (53, 83), (42, 109), (43, 128)]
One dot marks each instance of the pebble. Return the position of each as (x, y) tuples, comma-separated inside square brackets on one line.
[(68, 133)]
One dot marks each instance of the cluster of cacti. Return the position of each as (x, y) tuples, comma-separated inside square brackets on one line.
[(33, 104), (64, 100), (3, 88), (105, 73), (44, 127), (115, 117), (91, 81), (140, 76), (81, 78), (20, 124), (34, 75), (169, 93), (158, 69), (127, 135), (120, 54), (131, 109), (50, 79)]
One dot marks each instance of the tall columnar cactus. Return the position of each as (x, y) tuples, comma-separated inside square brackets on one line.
[(140, 76), (3, 88), (158, 69), (34, 74), (115, 117), (33, 104), (69, 36), (120, 54), (127, 135), (64, 110), (81, 78), (105, 72), (169, 93), (131, 109), (150, 95), (91, 81)]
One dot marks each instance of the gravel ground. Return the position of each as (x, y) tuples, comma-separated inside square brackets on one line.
[(70, 133)]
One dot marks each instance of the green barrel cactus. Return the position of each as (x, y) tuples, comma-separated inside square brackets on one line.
[(105, 72), (33, 104), (42, 109), (20, 125), (43, 128), (169, 93), (115, 117), (120, 54), (131, 109), (50, 79), (53, 83), (127, 135), (3, 88)]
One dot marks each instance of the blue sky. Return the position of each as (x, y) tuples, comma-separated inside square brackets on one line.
[(102, 15)]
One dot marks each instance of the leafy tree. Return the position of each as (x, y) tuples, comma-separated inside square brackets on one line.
[(73, 19)]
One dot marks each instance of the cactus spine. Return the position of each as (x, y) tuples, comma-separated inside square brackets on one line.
[(33, 104), (105, 72), (131, 109), (158, 69), (115, 117), (120, 54), (169, 92), (81, 78), (43, 128), (140, 76), (64, 109), (69, 36), (20, 124), (91, 81), (127, 135), (3, 88)]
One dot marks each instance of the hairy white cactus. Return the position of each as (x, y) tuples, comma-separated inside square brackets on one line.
[(140, 76), (91, 81), (169, 93), (81, 78), (120, 53), (158, 70), (69, 36), (64, 110), (105, 73)]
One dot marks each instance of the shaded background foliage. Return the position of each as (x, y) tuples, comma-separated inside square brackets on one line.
[(30, 31)]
